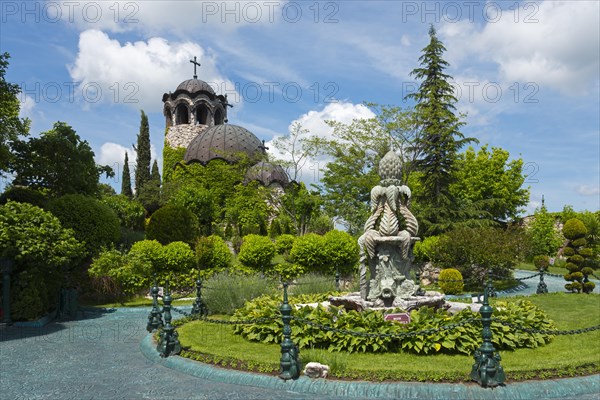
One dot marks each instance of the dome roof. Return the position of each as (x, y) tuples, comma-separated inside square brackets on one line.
[(223, 141), (195, 85), (267, 173)]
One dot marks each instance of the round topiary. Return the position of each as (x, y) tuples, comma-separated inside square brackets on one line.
[(284, 244), (172, 223), (93, 222), (579, 242), (586, 252), (541, 262), (212, 253), (341, 251), (257, 252), (572, 267), (24, 195), (451, 281), (568, 252), (309, 252), (574, 229), (576, 259), (588, 287)]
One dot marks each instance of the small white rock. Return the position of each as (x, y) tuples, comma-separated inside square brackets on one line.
[(316, 370)]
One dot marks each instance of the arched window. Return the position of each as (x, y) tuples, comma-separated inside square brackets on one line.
[(182, 114), (202, 114), (218, 117)]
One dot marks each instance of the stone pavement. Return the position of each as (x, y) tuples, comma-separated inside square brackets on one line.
[(108, 355)]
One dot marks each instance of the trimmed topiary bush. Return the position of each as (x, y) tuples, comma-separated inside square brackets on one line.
[(574, 229), (172, 223), (212, 253), (308, 252), (257, 252), (541, 262), (94, 223), (284, 244), (450, 281), (341, 252), (24, 195)]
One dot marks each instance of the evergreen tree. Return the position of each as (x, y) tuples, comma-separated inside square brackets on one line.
[(126, 179), (440, 138), (155, 174), (142, 168)]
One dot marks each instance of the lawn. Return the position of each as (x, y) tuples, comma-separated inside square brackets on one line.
[(568, 355)]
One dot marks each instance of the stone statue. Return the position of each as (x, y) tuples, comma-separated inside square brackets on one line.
[(386, 246)]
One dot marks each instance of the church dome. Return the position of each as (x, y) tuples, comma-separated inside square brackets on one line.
[(194, 86), (223, 142), (267, 173)]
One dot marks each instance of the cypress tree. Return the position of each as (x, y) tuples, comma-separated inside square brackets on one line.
[(142, 168), (440, 138), (126, 179), (155, 174)]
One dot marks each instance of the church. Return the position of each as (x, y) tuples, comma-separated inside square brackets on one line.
[(196, 120)]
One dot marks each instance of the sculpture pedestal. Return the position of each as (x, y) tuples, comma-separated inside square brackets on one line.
[(353, 301)]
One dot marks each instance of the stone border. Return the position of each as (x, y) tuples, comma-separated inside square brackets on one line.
[(548, 389)]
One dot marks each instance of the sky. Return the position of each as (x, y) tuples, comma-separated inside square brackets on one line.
[(526, 73)]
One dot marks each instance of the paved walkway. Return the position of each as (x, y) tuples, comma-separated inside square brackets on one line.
[(107, 355)]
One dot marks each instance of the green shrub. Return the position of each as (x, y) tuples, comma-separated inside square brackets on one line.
[(464, 339), (472, 250), (579, 242), (574, 229), (257, 252), (586, 252), (308, 252), (212, 253), (227, 291), (575, 259), (131, 213), (42, 251), (199, 201), (172, 223), (541, 262), (588, 287), (424, 250), (284, 244), (450, 281), (568, 251), (94, 223), (287, 271), (24, 195), (341, 252), (129, 274)]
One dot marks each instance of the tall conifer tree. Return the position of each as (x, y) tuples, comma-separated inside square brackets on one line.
[(126, 179), (440, 140), (142, 168), (155, 174)]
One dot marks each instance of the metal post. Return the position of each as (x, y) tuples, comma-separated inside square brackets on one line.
[(155, 317), (487, 370), (168, 342), (542, 287), (199, 306), (337, 279), (6, 265), (290, 364)]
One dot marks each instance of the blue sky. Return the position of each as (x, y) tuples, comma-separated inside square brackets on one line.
[(527, 73)]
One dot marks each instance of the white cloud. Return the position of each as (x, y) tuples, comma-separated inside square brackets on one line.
[(169, 16), (27, 105), (139, 73), (557, 47), (113, 155), (586, 190), (314, 122)]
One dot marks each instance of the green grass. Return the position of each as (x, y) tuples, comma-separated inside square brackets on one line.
[(565, 356), (552, 269)]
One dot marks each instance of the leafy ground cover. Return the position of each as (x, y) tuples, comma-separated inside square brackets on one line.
[(566, 355)]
